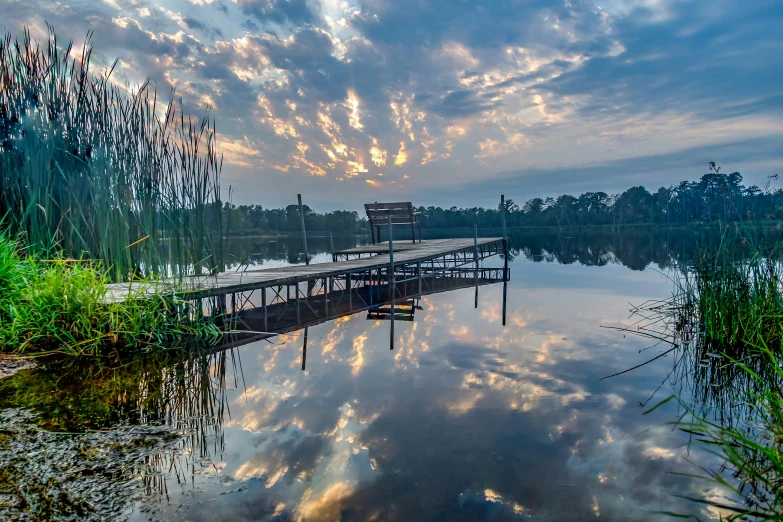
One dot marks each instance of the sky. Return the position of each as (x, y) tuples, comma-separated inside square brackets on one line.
[(450, 102)]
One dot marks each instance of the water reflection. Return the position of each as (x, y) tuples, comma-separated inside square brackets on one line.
[(467, 421), (634, 248), (464, 420)]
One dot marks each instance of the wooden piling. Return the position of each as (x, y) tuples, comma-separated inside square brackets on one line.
[(503, 214), (505, 276), (304, 350), (304, 231), (476, 261), (392, 286)]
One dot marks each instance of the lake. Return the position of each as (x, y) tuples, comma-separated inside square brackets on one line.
[(464, 419)]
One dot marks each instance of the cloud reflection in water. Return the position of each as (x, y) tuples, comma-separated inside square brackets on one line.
[(465, 420)]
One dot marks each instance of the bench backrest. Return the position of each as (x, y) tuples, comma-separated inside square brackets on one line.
[(401, 213)]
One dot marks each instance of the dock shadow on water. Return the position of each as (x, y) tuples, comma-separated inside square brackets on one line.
[(465, 419)]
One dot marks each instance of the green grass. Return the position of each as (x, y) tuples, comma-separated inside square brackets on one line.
[(738, 300), (725, 320), (750, 451), (55, 306)]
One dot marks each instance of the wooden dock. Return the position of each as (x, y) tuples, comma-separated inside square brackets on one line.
[(363, 263), (257, 304)]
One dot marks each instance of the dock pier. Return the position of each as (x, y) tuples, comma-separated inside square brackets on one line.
[(257, 304)]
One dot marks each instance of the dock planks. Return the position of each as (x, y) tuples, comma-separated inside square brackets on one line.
[(195, 287)]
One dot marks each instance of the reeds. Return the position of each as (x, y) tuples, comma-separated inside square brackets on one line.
[(751, 451), (737, 297), (725, 322), (97, 171)]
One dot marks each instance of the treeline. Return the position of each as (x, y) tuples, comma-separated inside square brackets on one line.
[(714, 197), (250, 219)]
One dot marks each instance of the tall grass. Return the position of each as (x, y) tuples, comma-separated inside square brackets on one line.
[(751, 451), (725, 320), (736, 291), (89, 168), (56, 306)]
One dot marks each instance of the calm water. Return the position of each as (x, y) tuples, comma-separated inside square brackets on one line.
[(464, 420)]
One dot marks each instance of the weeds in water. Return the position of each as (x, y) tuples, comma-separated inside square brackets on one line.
[(737, 301), (725, 322), (57, 306), (99, 172), (751, 451)]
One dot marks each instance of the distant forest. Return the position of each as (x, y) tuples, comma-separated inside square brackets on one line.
[(715, 197)]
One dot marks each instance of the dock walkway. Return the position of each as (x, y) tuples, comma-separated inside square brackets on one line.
[(428, 256)]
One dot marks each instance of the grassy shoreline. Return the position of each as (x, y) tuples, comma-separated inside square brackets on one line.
[(55, 306)]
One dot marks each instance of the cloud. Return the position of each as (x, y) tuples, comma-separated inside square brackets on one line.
[(652, 171), (705, 59), (450, 92), (296, 12), (461, 103)]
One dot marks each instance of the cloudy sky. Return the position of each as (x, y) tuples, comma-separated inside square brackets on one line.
[(451, 102)]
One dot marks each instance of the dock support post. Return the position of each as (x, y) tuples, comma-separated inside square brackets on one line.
[(391, 330), (392, 289), (326, 283), (350, 290), (263, 305), (505, 277), (234, 312), (331, 241), (476, 262), (304, 350), (503, 213), (418, 275), (304, 232), (391, 253)]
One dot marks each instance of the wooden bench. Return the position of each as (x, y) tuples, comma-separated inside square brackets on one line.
[(401, 214)]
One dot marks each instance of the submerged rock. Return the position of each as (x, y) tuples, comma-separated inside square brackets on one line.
[(96, 475), (10, 364)]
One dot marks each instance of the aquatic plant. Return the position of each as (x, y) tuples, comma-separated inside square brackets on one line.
[(104, 173), (725, 324), (737, 301), (57, 306), (752, 450)]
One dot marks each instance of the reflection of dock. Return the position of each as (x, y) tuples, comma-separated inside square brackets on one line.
[(288, 315), (401, 311)]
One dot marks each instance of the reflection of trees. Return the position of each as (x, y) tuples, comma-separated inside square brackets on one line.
[(703, 374), (630, 247), (257, 251)]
